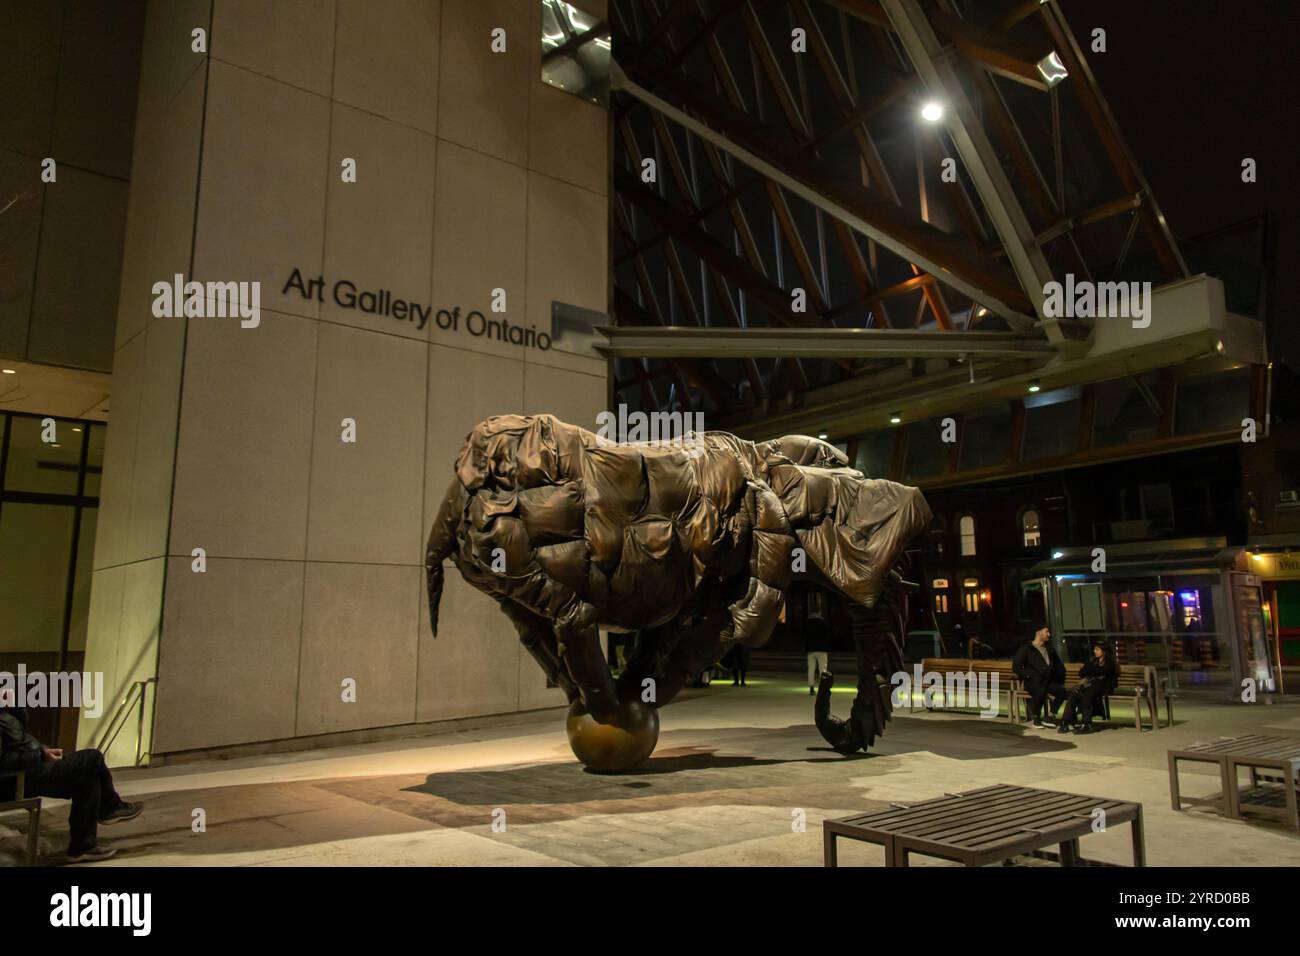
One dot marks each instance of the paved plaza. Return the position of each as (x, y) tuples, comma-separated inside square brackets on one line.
[(735, 771)]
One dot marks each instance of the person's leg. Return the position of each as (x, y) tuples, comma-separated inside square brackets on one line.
[(1058, 694), (812, 670), (1037, 694), (1089, 703), (76, 778), (1071, 704)]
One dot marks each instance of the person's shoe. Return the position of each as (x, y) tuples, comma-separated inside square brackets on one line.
[(1037, 723), (735, 683), (1064, 728), (124, 811), (811, 692), (95, 854), (1083, 729)]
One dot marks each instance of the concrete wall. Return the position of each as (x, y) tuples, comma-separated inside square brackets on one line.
[(67, 92), (472, 175)]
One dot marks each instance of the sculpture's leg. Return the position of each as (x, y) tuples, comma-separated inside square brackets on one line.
[(877, 638), (671, 655), (580, 652), (538, 637)]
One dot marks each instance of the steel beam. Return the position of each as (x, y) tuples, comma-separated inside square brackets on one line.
[(683, 342), (963, 125), (880, 220)]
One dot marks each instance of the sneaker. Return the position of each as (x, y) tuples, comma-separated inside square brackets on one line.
[(1063, 729), (95, 854), (1037, 723), (124, 811), (1083, 729)]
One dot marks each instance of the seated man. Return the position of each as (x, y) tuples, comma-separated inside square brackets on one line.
[(1042, 672), (83, 778)]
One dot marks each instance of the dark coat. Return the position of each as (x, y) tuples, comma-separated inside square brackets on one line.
[(1032, 669), (19, 750), (1104, 675)]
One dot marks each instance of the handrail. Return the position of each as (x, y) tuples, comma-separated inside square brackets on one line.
[(116, 719)]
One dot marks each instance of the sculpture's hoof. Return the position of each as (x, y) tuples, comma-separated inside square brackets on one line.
[(624, 743)]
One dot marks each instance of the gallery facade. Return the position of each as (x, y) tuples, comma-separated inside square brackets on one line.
[(345, 230)]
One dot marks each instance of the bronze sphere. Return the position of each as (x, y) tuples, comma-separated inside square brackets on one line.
[(624, 743)]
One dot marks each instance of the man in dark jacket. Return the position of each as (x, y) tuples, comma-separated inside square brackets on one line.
[(1043, 674), (83, 778)]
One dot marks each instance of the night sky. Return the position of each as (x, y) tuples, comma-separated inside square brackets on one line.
[(1198, 85)]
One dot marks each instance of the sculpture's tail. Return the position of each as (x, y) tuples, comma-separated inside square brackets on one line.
[(442, 545)]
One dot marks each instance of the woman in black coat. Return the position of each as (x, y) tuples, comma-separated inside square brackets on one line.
[(1097, 679)]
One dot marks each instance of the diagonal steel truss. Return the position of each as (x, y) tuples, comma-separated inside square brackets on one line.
[(784, 175)]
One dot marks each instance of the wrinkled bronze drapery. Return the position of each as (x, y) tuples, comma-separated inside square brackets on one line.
[(691, 545)]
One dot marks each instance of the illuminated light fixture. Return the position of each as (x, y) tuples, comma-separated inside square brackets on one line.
[(1257, 557), (932, 112), (981, 312), (1218, 346), (9, 371), (76, 429), (1057, 555), (1034, 386), (895, 418), (823, 436), (1051, 69)]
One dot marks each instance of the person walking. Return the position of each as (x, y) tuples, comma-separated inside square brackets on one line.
[(817, 648)]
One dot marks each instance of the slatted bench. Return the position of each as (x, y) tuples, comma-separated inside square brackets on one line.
[(943, 666), (1137, 681), (32, 805), (1278, 757), (989, 825)]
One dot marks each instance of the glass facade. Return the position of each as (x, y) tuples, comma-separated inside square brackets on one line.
[(49, 500)]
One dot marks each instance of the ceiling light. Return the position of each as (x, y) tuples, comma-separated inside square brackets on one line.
[(932, 112), (1051, 69), (1033, 385), (822, 435), (1218, 346), (1057, 555), (8, 371), (895, 418)]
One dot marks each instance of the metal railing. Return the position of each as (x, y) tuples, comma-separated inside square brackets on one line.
[(135, 694)]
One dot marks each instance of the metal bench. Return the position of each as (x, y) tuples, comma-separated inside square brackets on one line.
[(989, 825), (33, 807)]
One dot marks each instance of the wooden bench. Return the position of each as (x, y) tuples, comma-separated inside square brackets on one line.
[(1255, 752), (944, 666), (1137, 681), (30, 804), (989, 825)]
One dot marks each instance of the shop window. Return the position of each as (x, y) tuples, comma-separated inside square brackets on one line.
[(966, 528), (1030, 529)]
